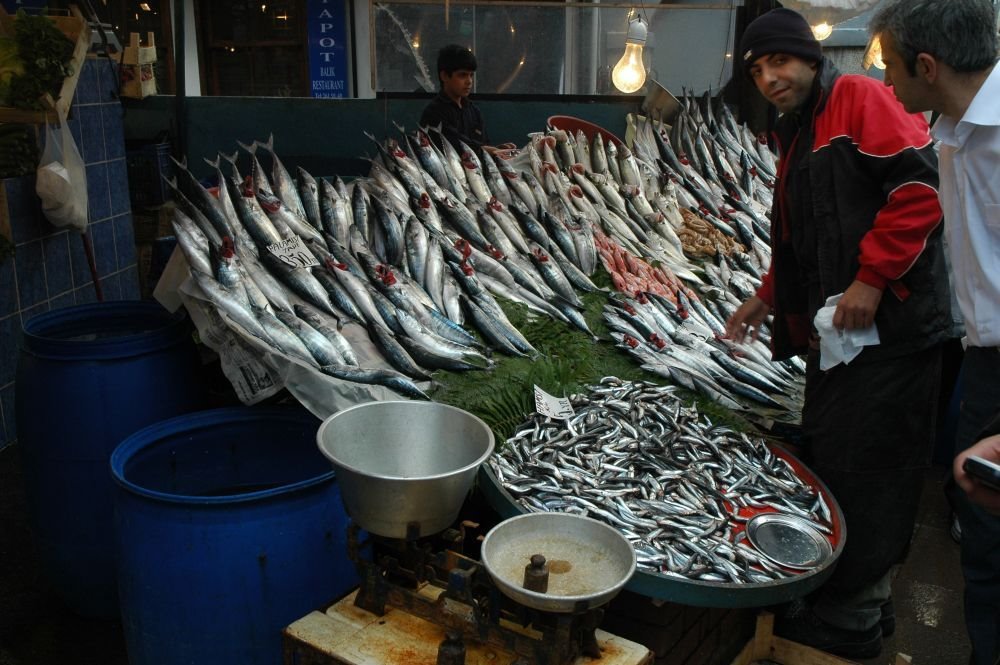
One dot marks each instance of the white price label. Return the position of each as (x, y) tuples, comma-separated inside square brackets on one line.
[(293, 253), (553, 407)]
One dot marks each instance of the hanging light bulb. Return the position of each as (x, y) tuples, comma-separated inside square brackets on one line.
[(873, 54), (822, 30), (629, 74)]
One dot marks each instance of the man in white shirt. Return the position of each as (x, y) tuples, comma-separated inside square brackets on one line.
[(940, 55)]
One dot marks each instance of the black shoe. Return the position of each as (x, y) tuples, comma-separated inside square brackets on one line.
[(808, 629), (887, 622)]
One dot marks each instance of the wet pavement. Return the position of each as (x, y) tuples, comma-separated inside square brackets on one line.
[(36, 629), (927, 593)]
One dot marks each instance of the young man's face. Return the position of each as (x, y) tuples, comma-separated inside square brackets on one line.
[(784, 80), (458, 84), (910, 89)]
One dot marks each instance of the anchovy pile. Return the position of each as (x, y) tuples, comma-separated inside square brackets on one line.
[(678, 487)]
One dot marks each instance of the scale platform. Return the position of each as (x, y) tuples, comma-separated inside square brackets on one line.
[(347, 635)]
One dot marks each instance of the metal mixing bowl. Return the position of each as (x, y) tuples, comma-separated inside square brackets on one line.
[(404, 468), (589, 562)]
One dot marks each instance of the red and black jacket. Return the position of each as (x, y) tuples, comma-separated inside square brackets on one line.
[(862, 174)]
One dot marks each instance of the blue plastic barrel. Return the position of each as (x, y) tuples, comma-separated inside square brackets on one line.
[(229, 527), (87, 377)]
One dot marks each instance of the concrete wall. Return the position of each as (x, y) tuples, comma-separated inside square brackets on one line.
[(326, 136)]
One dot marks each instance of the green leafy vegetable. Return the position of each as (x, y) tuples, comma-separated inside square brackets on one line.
[(6, 248), (10, 65), (44, 53), (569, 361), (18, 150)]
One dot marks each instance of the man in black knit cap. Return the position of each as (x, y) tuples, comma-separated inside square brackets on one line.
[(855, 213)]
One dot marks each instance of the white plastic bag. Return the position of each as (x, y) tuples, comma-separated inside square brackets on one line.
[(61, 180)]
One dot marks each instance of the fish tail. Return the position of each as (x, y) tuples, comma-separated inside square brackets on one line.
[(269, 145), (252, 148)]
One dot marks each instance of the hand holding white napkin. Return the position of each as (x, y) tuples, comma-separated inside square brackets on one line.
[(840, 346)]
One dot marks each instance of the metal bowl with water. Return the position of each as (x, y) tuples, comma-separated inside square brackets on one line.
[(588, 561), (404, 467)]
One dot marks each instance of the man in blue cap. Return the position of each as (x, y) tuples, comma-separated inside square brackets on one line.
[(855, 213)]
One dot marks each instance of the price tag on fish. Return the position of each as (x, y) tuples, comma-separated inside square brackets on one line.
[(553, 407), (293, 253)]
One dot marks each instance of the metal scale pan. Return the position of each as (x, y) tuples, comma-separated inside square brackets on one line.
[(588, 561), (712, 594), (404, 467)]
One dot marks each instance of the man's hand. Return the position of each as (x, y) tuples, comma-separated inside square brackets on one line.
[(857, 307), (988, 449), (749, 315)]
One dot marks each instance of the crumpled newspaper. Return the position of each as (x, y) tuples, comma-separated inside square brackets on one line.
[(840, 346), (258, 370)]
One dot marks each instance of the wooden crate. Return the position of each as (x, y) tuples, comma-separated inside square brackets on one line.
[(6, 233), (76, 28), (765, 647), (137, 54), (138, 79), (347, 635), (153, 223)]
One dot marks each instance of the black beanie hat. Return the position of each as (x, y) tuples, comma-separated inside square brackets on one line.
[(778, 31)]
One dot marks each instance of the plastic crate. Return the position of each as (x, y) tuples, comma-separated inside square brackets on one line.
[(148, 165)]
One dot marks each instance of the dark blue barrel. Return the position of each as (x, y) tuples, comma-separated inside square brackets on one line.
[(88, 376), (229, 527)]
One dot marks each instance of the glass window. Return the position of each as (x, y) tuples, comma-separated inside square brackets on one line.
[(124, 17), (551, 48), (253, 48), (519, 48)]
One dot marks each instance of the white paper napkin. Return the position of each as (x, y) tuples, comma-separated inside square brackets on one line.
[(839, 346)]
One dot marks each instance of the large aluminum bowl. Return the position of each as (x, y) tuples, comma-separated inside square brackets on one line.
[(589, 562), (404, 468)]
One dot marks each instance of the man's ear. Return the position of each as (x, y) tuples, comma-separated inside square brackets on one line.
[(927, 67)]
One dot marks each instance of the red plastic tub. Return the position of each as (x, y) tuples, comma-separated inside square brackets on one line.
[(571, 124)]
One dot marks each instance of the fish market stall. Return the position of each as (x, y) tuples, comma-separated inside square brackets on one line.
[(469, 279)]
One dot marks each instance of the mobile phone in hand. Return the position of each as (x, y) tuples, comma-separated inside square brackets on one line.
[(985, 471)]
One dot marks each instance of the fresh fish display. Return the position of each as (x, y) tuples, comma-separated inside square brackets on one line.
[(678, 487), (418, 252)]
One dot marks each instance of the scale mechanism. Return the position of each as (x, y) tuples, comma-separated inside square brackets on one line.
[(400, 574), (405, 469)]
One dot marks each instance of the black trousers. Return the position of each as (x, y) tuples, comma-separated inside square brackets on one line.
[(868, 431), (980, 529)]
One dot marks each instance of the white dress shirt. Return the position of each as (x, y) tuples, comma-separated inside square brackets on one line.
[(970, 198)]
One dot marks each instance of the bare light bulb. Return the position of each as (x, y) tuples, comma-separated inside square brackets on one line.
[(873, 54), (630, 74), (822, 30)]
